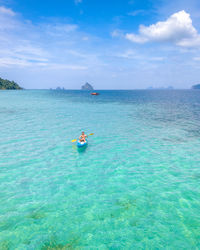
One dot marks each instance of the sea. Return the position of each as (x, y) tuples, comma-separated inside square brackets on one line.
[(135, 186)]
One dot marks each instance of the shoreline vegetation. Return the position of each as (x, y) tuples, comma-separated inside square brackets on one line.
[(6, 84)]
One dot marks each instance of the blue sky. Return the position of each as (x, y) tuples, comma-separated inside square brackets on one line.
[(111, 44)]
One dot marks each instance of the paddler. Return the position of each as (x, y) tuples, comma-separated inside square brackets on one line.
[(82, 137)]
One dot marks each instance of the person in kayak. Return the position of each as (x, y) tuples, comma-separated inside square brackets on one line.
[(82, 137)]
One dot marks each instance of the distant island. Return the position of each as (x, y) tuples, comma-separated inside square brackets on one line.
[(87, 86), (59, 88), (197, 86), (6, 84), (169, 87)]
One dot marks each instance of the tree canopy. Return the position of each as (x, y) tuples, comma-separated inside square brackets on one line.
[(6, 84)]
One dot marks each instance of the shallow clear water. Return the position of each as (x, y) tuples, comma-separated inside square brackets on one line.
[(136, 185)]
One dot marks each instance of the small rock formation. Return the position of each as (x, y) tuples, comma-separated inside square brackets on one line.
[(197, 86), (87, 86), (59, 88)]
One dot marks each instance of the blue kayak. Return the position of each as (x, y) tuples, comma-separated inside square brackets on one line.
[(81, 144)]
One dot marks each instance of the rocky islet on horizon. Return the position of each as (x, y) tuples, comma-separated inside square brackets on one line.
[(87, 86)]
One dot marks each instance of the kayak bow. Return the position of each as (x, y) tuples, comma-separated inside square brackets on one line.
[(81, 144)]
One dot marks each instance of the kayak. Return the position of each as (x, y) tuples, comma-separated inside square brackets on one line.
[(81, 144)]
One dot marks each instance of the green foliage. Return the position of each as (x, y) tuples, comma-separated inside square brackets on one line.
[(6, 84)]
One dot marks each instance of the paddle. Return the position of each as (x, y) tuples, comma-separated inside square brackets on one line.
[(76, 139)]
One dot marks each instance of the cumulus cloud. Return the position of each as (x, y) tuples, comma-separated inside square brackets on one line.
[(177, 29)]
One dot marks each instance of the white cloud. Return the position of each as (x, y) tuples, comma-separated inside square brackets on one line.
[(7, 18), (60, 29), (158, 58), (134, 55), (136, 38), (23, 45), (117, 33), (77, 1), (128, 54), (85, 38), (55, 66), (23, 62), (53, 52), (136, 12), (10, 61), (6, 11), (196, 58), (177, 29), (49, 47)]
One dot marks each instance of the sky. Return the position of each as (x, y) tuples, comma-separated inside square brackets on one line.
[(115, 44)]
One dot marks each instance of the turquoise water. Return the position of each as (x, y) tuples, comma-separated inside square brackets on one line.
[(136, 185)]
